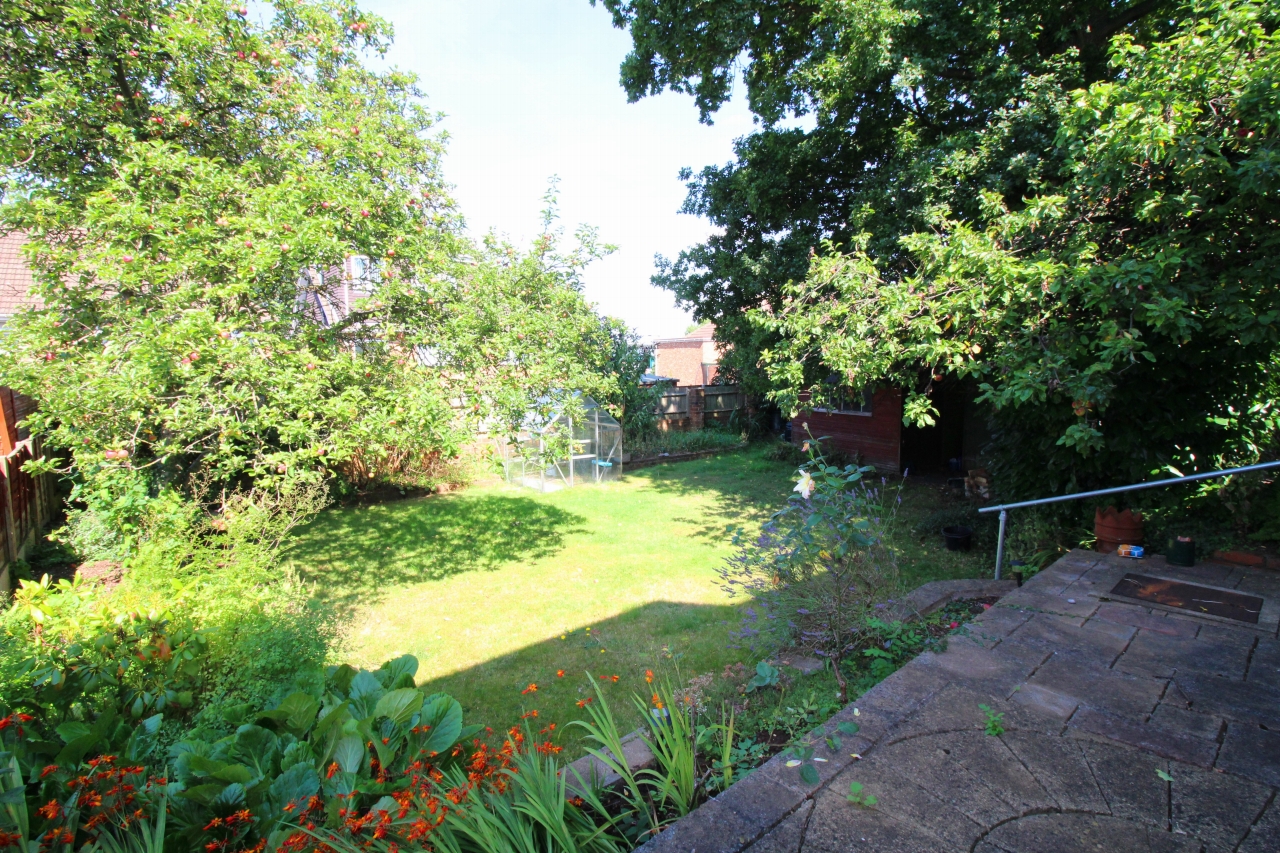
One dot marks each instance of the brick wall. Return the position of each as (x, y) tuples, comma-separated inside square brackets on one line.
[(679, 360), (876, 438)]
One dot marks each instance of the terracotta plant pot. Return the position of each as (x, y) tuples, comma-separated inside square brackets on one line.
[(1114, 529)]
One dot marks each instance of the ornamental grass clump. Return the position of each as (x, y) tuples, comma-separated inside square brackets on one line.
[(821, 572)]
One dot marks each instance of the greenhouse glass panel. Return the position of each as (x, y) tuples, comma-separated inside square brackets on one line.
[(566, 450)]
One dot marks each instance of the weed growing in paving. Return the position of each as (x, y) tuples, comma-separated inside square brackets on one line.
[(995, 721), (858, 798)]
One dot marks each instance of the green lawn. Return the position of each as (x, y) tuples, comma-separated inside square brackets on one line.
[(494, 588)]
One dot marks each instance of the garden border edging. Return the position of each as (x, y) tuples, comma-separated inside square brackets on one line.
[(774, 793), (646, 461)]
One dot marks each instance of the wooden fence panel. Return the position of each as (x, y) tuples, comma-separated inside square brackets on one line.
[(674, 403), (725, 398)]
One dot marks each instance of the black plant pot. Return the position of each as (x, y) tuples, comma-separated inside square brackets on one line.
[(1182, 552), (959, 537)]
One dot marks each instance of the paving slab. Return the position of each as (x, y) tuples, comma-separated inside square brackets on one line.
[(1164, 656), (1168, 743), (1217, 808), (1079, 832), (1251, 751), (1121, 728), (1264, 665), (1235, 700), (1264, 835), (1156, 621), (1108, 690), (787, 836)]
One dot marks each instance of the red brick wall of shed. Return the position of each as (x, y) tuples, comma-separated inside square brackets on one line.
[(876, 438), (680, 360)]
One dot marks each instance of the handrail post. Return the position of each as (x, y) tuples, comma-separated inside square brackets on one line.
[(1004, 518)]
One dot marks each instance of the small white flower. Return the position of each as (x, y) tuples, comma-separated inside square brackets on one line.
[(805, 486)]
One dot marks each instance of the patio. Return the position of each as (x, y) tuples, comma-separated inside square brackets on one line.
[(1124, 728)]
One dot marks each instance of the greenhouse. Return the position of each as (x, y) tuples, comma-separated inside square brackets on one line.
[(566, 449)]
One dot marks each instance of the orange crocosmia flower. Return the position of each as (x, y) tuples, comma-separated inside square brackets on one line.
[(532, 688), (528, 715), (615, 678), (582, 703), (648, 676), (559, 673)]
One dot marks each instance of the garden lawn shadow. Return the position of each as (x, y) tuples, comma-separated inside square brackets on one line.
[(673, 639), (359, 554), (745, 484)]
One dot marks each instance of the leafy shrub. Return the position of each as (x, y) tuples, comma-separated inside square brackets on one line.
[(785, 451), (684, 442), (822, 569), (348, 748)]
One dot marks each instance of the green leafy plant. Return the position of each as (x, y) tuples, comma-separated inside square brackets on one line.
[(672, 736), (84, 650), (767, 675), (727, 753), (143, 836), (994, 722), (692, 441), (858, 798), (802, 754), (602, 731), (822, 569)]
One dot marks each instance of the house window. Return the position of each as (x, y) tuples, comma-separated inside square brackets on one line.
[(848, 401), (363, 269)]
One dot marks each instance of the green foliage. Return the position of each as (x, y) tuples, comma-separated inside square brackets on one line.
[(633, 405), (90, 659), (534, 814), (994, 724), (822, 568), (857, 797), (897, 91), (193, 225), (691, 441), (602, 731), (343, 748), (673, 739), (1072, 205), (766, 675), (1118, 320)]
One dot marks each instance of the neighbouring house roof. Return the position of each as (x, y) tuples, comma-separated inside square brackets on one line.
[(705, 332), (655, 379), (16, 280)]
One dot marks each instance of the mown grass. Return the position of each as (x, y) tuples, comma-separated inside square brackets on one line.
[(495, 588)]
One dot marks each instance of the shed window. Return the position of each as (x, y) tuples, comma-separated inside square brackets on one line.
[(848, 401)]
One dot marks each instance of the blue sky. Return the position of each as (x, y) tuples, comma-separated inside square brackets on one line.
[(530, 90)]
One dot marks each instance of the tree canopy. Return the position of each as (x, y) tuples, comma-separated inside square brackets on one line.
[(193, 180), (984, 188)]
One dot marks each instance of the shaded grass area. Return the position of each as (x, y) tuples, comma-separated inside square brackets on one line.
[(495, 588)]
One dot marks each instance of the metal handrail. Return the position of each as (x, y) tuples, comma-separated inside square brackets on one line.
[(1004, 508)]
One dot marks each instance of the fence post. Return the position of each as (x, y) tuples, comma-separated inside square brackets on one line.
[(697, 407)]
